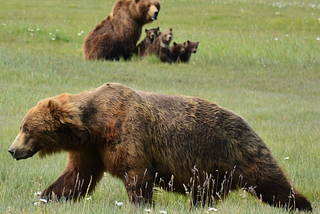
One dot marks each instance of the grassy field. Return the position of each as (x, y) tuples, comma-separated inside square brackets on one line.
[(260, 59)]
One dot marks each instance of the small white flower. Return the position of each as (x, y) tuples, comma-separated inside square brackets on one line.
[(36, 203), (147, 210), (79, 34), (43, 200), (318, 38), (276, 39), (38, 29), (287, 35), (5, 24), (89, 198), (212, 209), (37, 193), (119, 203), (286, 158), (162, 211), (50, 34), (53, 39), (57, 29), (82, 31)]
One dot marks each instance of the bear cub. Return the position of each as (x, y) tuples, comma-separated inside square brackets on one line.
[(161, 47), (177, 50), (151, 35), (191, 47)]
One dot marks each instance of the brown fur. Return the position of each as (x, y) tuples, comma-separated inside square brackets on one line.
[(161, 47), (177, 50), (135, 135), (117, 35), (191, 47), (151, 35)]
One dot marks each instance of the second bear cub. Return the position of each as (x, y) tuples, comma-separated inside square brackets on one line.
[(161, 47)]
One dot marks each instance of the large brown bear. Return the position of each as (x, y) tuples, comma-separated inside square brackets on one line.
[(141, 137), (117, 35)]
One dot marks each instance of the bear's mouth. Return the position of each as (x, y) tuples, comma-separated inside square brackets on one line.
[(20, 154)]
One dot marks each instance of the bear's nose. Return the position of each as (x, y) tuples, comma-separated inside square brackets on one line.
[(156, 14), (11, 151)]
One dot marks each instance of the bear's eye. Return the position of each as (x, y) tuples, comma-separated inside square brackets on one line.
[(25, 130), (149, 5)]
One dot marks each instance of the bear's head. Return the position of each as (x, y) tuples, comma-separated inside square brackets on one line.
[(178, 48), (153, 33), (40, 127), (147, 10), (166, 37), (191, 47)]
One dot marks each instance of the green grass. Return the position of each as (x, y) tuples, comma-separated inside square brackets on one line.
[(260, 59)]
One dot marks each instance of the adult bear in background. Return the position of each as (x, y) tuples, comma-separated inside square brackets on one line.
[(117, 35), (137, 135)]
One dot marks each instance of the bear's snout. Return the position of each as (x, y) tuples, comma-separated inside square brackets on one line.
[(153, 12), (12, 151), (156, 15)]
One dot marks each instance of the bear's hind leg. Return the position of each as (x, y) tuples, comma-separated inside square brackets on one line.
[(275, 189), (81, 175)]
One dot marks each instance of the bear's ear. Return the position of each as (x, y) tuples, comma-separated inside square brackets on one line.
[(53, 106), (136, 1), (170, 29), (146, 30), (159, 33), (188, 41), (157, 28), (184, 43), (174, 43)]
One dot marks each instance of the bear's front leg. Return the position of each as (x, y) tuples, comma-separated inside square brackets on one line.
[(81, 175)]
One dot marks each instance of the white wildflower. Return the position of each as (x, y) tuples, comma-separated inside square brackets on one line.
[(37, 193), (212, 209), (53, 39), (286, 158), (162, 211), (89, 198), (119, 203), (43, 200), (147, 210)]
